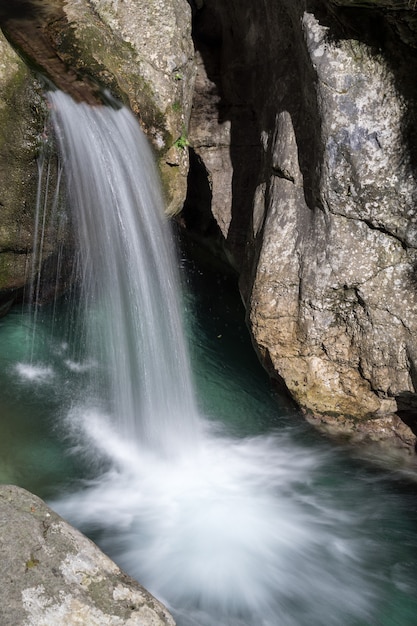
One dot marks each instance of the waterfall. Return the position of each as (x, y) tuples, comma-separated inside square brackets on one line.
[(47, 218), (226, 531), (129, 281)]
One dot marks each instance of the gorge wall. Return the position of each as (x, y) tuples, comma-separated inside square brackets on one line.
[(302, 170), (303, 135)]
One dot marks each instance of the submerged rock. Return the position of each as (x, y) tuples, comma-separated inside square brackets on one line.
[(52, 575)]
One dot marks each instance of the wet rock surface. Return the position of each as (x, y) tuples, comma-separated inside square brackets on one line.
[(23, 115), (139, 52)]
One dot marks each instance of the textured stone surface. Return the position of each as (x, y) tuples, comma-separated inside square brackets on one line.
[(319, 111), (22, 125), (140, 50), (143, 51), (54, 576)]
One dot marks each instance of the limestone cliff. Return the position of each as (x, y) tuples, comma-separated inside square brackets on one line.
[(304, 152)]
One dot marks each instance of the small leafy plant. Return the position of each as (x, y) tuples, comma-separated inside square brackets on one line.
[(182, 142)]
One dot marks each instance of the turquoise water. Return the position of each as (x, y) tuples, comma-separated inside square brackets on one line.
[(35, 393), (346, 529)]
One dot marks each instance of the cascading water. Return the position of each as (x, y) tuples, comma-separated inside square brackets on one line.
[(44, 215), (128, 274), (227, 531)]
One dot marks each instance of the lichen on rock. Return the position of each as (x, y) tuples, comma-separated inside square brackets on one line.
[(54, 576), (320, 214)]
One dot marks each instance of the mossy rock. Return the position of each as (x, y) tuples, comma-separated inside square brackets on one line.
[(22, 122), (140, 51)]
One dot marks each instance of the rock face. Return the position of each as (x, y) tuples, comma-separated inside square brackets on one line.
[(303, 133), (54, 576), (20, 140), (141, 52)]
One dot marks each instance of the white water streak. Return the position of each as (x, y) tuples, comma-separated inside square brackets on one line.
[(130, 286)]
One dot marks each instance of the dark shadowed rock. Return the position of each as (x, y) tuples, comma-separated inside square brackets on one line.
[(23, 115)]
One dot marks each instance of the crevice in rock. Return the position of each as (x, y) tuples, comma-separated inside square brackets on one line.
[(14, 250), (407, 410), (378, 227), (196, 214), (386, 232), (364, 377), (282, 173), (196, 217), (248, 62)]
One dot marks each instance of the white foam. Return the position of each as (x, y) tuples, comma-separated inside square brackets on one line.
[(35, 373), (79, 368), (227, 532)]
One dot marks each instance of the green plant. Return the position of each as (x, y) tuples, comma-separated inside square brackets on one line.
[(182, 142)]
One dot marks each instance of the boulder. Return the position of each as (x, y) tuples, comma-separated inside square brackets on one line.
[(52, 575)]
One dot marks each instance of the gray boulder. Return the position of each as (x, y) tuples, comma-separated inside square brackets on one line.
[(52, 575)]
